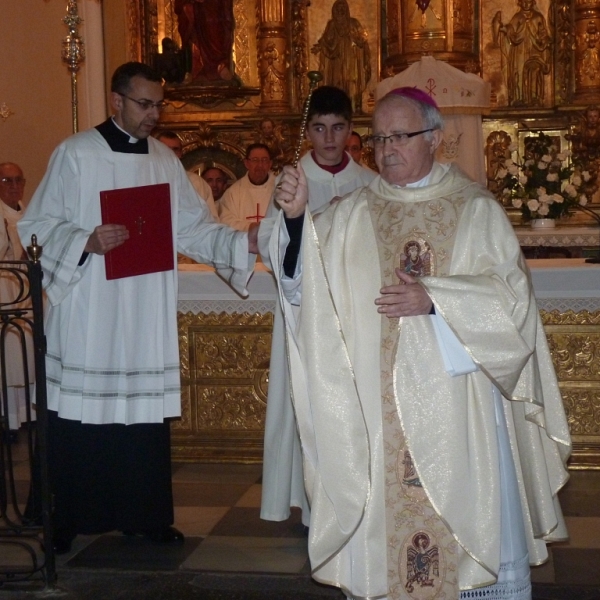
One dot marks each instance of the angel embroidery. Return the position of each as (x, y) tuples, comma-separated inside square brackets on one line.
[(421, 562), (414, 260)]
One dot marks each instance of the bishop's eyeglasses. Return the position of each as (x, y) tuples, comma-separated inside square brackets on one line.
[(395, 139)]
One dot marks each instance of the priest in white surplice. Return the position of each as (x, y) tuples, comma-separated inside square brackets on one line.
[(112, 359), (244, 204), (434, 443)]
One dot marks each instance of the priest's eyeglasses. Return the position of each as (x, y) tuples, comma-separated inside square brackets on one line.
[(396, 139), (146, 105)]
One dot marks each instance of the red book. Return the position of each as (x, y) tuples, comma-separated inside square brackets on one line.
[(146, 212)]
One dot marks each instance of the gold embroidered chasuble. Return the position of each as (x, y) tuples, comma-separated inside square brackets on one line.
[(378, 414)]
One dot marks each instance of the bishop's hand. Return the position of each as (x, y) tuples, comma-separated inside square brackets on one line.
[(291, 193)]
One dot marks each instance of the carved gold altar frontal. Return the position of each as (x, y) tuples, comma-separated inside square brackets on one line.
[(224, 378), (574, 340), (225, 370)]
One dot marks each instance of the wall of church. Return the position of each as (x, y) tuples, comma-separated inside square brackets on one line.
[(35, 85)]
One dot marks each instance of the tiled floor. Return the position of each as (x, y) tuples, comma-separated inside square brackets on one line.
[(231, 553)]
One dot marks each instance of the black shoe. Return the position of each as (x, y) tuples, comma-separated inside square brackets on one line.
[(62, 542), (168, 535)]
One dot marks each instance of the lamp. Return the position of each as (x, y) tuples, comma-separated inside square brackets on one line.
[(596, 217)]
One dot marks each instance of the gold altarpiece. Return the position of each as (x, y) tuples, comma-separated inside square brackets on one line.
[(543, 62)]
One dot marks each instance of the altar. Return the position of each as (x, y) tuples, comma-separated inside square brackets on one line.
[(225, 344)]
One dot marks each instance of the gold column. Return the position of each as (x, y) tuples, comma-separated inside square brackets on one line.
[(444, 29), (587, 51), (272, 55)]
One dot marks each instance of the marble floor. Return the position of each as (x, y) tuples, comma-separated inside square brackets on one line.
[(230, 553)]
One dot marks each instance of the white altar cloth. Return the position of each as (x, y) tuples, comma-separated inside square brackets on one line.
[(565, 283), (559, 283), (202, 291)]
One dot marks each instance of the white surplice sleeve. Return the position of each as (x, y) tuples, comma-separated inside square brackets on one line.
[(49, 217)]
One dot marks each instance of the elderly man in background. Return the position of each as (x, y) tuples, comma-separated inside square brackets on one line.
[(245, 203), (434, 435), (12, 186), (172, 140)]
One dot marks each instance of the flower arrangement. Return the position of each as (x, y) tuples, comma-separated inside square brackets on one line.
[(545, 185)]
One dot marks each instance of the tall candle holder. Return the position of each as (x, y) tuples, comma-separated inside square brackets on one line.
[(73, 54)]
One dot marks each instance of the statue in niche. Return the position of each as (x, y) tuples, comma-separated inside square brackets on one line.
[(525, 43), (344, 55), (206, 30), (590, 62), (497, 150)]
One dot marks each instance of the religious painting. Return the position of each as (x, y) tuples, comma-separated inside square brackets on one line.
[(415, 258), (206, 43)]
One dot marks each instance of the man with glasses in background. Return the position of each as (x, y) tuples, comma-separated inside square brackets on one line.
[(245, 203), (113, 359), (433, 431)]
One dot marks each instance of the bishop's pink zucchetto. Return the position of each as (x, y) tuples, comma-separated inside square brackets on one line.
[(414, 94)]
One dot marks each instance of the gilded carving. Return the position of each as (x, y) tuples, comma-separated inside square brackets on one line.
[(241, 41), (574, 341), (344, 53), (497, 150), (583, 411), (272, 71), (565, 45), (525, 44), (224, 378), (589, 68), (569, 317), (300, 51), (587, 59), (134, 39)]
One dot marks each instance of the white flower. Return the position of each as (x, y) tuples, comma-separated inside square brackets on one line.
[(546, 158), (501, 174), (517, 202), (513, 169), (586, 176), (508, 162), (533, 205), (545, 199), (506, 192), (529, 162), (543, 210), (561, 156), (576, 180), (552, 177), (570, 189), (541, 191), (583, 200), (542, 165), (523, 179), (558, 198)]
